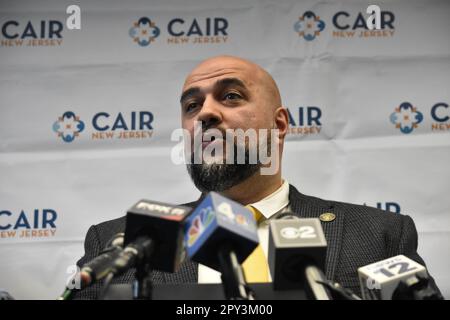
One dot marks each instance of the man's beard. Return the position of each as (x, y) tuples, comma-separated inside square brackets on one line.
[(222, 176)]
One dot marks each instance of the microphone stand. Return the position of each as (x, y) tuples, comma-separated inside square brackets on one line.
[(320, 288), (136, 254), (143, 284), (233, 279), (314, 279)]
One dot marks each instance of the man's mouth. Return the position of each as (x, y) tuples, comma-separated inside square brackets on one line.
[(209, 140)]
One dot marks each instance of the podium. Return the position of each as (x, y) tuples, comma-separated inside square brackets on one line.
[(194, 291)]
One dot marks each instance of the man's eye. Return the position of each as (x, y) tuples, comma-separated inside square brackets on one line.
[(191, 106), (232, 96)]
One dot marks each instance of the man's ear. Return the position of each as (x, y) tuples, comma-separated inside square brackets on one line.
[(281, 121)]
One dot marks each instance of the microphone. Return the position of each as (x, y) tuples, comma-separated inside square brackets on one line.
[(396, 278), (221, 234), (99, 267), (163, 224), (153, 240), (297, 251), (96, 269)]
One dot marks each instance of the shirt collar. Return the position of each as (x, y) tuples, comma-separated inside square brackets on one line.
[(274, 202)]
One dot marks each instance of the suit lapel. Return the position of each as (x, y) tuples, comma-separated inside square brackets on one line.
[(310, 207)]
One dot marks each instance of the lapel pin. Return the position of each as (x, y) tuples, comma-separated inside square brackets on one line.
[(327, 217)]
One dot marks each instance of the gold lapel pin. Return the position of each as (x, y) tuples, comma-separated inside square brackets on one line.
[(327, 217)]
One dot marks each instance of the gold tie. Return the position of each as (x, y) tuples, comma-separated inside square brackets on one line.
[(255, 266)]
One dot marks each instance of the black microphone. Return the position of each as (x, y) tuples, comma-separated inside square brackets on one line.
[(297, 251), (221, 234), (96, 269), (163, 224), (153, 241), (416, 288), (99, 267), (397, 278)]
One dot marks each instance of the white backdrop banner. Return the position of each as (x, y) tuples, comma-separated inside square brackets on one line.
[(86, 115)]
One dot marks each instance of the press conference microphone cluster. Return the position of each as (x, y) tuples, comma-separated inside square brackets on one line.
[(221, 234), (397, 278)]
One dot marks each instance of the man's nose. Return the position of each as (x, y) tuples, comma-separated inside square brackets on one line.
[(210, 114)]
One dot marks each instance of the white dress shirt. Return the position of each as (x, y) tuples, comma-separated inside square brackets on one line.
[(274, 203)]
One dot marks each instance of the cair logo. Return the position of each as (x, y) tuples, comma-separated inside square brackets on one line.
[(144, 31), (15, 33), (406, 117), (210, 30), (305, 120), (309, 26), (344, 24), (125, 126), (68, 126), (38, 223)]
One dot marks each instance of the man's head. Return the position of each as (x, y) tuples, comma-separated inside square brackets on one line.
[(224, 93)]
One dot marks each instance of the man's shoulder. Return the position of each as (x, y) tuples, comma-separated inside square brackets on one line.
[(105, 230), (358, 211), (354, 213), (114, 225)]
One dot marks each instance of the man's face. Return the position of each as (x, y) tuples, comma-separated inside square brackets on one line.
[(225, 93)]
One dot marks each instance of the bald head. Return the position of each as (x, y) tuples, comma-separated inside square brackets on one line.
[(229, 66), (227, 92)]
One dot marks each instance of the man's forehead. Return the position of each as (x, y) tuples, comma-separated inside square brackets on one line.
[(211, 71)]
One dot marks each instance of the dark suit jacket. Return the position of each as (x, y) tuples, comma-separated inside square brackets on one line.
[(358, 236)]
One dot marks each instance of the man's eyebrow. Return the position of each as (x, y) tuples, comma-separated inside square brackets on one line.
[(221, 84)]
